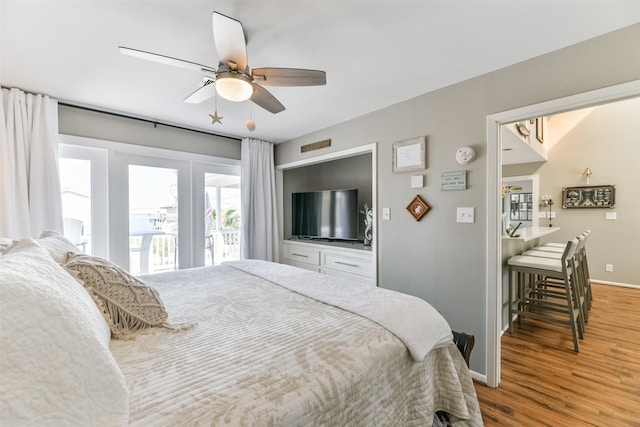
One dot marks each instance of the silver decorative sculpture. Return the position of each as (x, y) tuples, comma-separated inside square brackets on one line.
[(368, 224)]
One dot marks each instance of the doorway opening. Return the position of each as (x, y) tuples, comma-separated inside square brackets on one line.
[(494, 199)]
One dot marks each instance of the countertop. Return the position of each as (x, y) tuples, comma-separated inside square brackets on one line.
[(531, 233)]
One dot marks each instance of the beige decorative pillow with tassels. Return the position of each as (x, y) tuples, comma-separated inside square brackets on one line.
[(127, 303)]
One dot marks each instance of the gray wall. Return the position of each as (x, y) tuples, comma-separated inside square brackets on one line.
[(437, 258), (77, 122), (341, 174), (607, 141)]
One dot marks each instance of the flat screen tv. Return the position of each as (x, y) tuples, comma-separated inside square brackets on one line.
[(328, 214)]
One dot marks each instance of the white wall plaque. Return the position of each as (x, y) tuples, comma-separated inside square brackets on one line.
[(451, 181)]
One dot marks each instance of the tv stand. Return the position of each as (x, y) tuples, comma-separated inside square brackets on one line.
[(350, 259)]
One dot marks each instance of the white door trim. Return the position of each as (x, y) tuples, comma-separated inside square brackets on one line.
[(494, 176)]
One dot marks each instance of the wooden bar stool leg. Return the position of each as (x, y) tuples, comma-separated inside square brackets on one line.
[(511, 273)]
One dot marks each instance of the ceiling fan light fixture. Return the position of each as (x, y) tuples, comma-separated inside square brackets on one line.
[(234, 86)]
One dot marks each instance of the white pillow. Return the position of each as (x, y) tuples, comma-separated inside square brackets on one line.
[(86, 303), (5, 243), (57, 245), (56, 365)]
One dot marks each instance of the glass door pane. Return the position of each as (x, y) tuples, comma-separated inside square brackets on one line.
[(221, 218), (75, 183), (153, 219)]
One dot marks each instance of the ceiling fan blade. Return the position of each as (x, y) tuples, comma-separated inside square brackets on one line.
[(207, 91), (263, 98), (289, 77), (231, 45), (167, 60)]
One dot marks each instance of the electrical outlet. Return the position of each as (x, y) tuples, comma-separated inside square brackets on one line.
[(542, 214), (608, 267)]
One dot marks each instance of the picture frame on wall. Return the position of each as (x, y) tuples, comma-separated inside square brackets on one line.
[(409, 155), (418, 207), (592, 196)]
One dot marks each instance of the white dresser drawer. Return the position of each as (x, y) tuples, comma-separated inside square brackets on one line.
[(355, 264), (357, 277), (302, 265), (359, 266), (302, 255)]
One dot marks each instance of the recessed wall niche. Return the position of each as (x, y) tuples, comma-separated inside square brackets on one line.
[(339, 174)]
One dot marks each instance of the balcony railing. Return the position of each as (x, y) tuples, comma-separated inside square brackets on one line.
[(161, 254), (227, 245)]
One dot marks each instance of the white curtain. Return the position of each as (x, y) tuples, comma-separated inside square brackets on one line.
[(30, 199), (259, 235)]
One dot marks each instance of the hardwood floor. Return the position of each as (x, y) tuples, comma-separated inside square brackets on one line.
[(545, 383)]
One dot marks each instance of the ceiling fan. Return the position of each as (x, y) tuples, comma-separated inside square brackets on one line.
[(233, 79)]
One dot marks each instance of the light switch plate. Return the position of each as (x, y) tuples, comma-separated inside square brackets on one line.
[(417, 181), (542, 214), (611, 215), (465, 215), (386, 214)]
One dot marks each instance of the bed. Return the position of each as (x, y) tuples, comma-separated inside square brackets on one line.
[(247, 343)]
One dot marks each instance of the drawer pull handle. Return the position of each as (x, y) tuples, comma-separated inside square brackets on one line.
[(304, 256), (347, 264)]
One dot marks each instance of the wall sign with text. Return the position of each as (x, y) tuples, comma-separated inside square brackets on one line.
[(451, 181)]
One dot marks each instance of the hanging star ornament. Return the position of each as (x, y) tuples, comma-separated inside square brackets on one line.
[(215, 118)]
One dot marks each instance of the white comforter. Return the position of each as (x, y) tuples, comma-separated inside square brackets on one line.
[(262, 355)]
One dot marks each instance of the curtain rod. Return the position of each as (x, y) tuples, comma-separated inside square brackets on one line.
[(154, 122), (124, 116)]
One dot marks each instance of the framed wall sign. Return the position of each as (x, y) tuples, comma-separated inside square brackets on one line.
[(594, 196), (409, 155), (450, 181)]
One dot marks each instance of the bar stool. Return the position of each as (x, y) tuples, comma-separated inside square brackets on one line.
[(562, 245), (584, 269), (578, 276), (531, 274), (582, 262)]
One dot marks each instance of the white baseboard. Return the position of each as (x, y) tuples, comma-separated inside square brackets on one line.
[(479, 377), (605, 282)]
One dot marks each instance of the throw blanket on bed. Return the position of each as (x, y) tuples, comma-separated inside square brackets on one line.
[(413, 320)]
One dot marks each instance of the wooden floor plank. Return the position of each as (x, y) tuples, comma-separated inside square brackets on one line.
[(545, 383)]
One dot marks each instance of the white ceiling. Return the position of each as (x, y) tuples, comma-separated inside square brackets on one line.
[(375, 53)]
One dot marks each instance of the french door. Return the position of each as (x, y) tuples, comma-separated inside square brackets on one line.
[(150, 210), (83, 182)]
